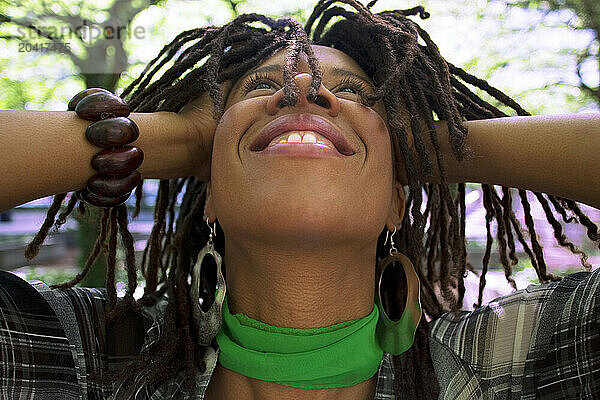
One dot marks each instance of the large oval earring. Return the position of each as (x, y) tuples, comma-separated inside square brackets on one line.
[(208, 323), (395, 337)]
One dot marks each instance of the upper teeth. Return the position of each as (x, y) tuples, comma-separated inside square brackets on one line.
[(301, 137)]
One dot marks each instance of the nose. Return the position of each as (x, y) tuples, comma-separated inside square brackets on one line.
[(324, 99)]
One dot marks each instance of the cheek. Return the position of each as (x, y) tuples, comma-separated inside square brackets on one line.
[(230, 132), (372, 130), (234, 122), (232, 189), (377, 173)]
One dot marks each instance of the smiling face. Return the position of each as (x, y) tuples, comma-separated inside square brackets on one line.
[(312, 174)]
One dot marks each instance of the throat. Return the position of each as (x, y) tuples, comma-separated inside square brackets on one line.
[(308, 289)]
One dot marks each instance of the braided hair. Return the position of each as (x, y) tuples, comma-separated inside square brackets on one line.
[(405, 65)]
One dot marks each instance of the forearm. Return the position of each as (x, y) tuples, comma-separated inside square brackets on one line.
[(556, 154), (44, 153)]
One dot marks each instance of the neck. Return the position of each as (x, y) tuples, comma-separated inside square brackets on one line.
[(296, 288), (300, 287)]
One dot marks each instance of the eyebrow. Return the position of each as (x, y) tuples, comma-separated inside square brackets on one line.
[(341, 72)]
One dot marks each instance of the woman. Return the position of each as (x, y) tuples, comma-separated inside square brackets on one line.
[(303, 169)]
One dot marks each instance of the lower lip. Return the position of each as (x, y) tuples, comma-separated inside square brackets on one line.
[(301, 150)]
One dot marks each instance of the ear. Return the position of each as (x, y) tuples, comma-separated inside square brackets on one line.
[(209, 207), (397, 207)]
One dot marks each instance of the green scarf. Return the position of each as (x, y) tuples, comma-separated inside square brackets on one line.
[(334, 356)]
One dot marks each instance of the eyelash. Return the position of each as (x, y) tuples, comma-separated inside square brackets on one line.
[(347, 82), (353, 83), (254, 80)]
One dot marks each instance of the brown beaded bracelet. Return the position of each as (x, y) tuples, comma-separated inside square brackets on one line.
[(112, 131)]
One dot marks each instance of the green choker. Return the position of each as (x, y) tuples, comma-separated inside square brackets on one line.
[(334, 356)]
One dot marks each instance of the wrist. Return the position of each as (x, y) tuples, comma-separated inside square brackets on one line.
[(117, 162)]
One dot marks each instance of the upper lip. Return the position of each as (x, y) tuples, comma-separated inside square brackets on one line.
[(302, 122)]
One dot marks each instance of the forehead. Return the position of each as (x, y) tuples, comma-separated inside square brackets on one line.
[(327, 57)]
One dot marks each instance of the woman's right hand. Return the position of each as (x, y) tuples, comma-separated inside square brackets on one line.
[(177, 144), (199, 117)]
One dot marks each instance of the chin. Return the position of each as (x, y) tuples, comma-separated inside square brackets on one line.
[(300, 231), (309, 222), (299, 208)]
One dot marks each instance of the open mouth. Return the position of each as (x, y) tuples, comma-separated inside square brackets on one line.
[(300, 133), (302, 137)]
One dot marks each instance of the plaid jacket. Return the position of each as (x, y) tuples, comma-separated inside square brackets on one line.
[(542, 342)]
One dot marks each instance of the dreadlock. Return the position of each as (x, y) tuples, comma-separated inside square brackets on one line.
[(386, 46)]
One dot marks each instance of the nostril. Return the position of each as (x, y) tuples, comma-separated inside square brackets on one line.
[(321, 101)]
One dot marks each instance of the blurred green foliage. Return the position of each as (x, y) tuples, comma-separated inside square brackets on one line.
[(50, 276), (583, 15)]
